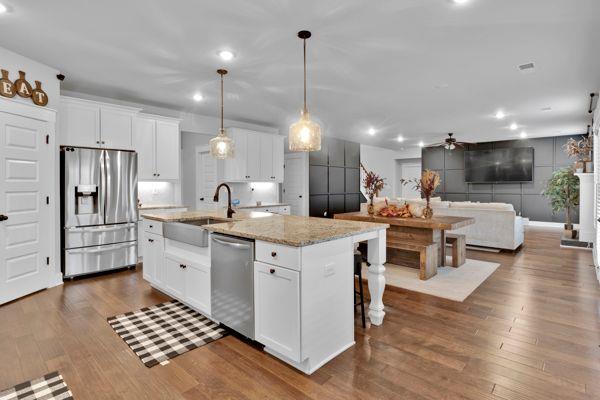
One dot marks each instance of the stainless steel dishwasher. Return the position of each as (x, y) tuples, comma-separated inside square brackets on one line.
[(232, 283)]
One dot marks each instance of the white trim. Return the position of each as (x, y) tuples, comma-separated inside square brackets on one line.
[(28, 110), (159, 117), (69, 99), (550, 224)]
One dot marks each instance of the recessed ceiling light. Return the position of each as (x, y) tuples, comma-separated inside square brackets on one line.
[(523, 134), (500, 114), (226, 55), (198, 97), (514, 126), (371, 131), (460, 1), (400, 138), (3, 8), (421, 144)]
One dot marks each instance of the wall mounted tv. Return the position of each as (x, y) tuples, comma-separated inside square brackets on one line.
[(499, 165)]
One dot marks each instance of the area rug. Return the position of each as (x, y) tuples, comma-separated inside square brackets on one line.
[(449, 283), (49, 387), (161, 332)]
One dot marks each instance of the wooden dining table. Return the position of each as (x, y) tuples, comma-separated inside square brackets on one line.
[(417, 231)]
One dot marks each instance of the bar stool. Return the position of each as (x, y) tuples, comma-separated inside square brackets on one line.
[(358, 272)]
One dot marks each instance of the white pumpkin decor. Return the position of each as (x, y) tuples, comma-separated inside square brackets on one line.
[(416, 210)]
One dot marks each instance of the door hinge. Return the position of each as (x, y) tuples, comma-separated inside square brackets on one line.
[(47, 260), (47, 199), (47, 139)]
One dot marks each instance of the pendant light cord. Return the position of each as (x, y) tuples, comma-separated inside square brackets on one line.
[(304, 41), (221, 101)]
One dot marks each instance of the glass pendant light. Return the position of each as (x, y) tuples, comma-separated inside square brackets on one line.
[(305, 135), (222, 146)]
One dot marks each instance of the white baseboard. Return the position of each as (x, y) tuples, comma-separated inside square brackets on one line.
[(550, 224)]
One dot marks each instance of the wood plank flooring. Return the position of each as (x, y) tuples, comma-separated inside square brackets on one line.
[(531, 331)]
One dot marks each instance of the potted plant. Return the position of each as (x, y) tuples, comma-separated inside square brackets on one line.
[(373, 185), (429, 181), (563, 191), (581, 151)]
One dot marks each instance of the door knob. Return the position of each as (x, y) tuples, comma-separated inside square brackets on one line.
[(3, 217)]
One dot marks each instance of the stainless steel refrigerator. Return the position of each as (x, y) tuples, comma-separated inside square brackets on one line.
[(99, 210)]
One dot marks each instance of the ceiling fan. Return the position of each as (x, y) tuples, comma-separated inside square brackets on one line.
[(449, 143)]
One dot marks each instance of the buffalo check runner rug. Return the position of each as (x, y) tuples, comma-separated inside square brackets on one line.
[(48, 387), (161, 332)]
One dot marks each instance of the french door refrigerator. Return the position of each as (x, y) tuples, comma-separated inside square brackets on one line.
[(99, 210)]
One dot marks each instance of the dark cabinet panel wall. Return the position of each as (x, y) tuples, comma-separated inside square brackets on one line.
[(334, 178), (525, 197)]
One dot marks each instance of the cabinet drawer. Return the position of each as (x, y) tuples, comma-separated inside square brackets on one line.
[(278, 254), (152, 226)]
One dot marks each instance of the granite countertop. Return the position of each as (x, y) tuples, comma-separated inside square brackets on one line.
[(294, 231), (283, 229), (159, 206), (219, 215), (262, 205)]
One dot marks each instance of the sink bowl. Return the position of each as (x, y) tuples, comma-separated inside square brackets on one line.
[(190, 232)]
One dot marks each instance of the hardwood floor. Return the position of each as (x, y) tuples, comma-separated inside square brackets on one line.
[(531, 331)]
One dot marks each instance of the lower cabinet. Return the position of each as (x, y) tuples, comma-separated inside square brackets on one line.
[(175, 277), (153, 250), (277, 309)]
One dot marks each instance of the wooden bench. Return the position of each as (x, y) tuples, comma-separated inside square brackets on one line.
[(428, 256), (459, 248)]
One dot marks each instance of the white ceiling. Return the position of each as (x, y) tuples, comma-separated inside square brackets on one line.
[(419, 68)]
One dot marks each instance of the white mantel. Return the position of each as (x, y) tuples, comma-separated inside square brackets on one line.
[(586, 207)]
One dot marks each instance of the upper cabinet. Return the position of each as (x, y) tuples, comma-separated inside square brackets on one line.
[(258, 157), (156, 139), (88, 123)]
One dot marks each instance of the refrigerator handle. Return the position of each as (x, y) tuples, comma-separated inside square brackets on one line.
[(103, 187)]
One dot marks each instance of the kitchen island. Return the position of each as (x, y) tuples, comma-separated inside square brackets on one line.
[(303, 277)]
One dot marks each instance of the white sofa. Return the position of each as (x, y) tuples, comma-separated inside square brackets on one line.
[(497, 225)]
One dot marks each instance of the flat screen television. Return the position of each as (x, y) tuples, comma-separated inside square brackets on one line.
[(499, 165)]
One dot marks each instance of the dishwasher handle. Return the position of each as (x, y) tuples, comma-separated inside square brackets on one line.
[(231, 244)]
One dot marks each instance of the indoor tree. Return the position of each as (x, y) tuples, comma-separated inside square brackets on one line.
[(563, 191)]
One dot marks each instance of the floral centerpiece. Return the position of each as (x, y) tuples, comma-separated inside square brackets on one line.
[(429, 181), (581, 151), (373, 184)]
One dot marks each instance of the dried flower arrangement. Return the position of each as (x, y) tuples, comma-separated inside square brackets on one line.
[(429, 181), (580, 150), (373, 185)]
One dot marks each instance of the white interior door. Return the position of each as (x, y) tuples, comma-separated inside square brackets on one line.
[(410, 171), (206, 179), (295, 183), (25, 179)]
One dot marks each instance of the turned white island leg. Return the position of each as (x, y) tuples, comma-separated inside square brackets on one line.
[(376, 255)]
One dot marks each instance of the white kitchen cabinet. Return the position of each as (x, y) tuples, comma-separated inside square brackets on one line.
[(175, 277), (157, 141), (153, 250), (93, 124), (197, 287), (258, 157), (277, 309)]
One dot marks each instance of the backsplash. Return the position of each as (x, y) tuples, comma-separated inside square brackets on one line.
[(151, 193), (250, 193)]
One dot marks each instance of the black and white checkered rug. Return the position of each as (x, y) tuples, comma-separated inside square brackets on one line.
[(161, 332), (48, 387)]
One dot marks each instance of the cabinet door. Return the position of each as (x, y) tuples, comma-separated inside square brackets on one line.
[(116, 128), (278, 158), (197, 287), (167, 150), (253, 157), (152, 248), (277, 309), (79, 124), (174, 278), (235, 168), (144, 142), (266, 158)]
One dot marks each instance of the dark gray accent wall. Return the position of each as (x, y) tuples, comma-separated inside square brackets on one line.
[(525, 197), (334, 178)]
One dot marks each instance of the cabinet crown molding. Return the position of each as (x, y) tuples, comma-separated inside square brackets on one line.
[(68, 99)]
